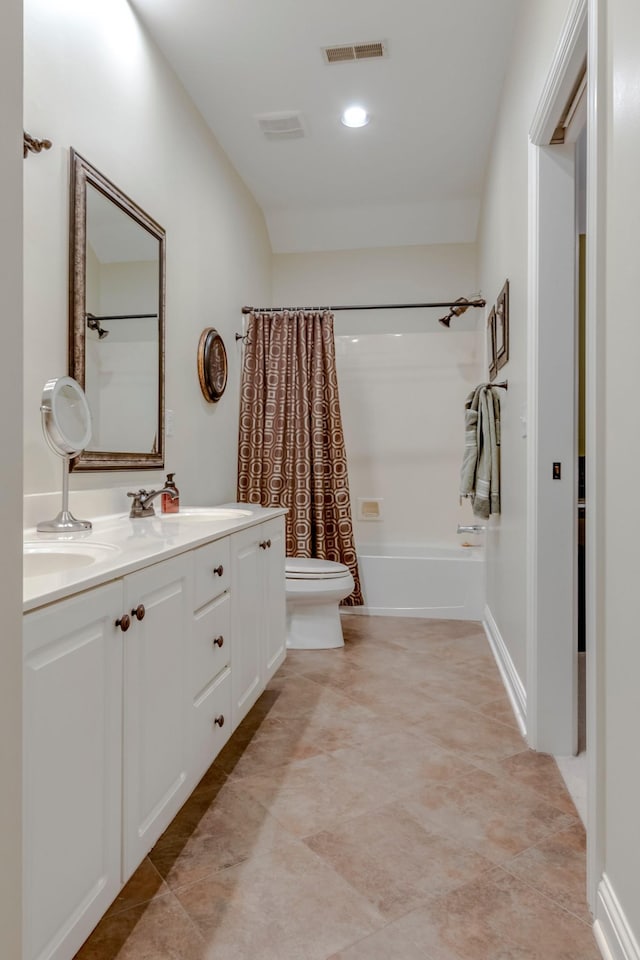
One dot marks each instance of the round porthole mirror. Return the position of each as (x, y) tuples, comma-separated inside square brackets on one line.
[(66, 424)]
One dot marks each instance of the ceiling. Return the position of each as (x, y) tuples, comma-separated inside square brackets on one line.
[(413, 175)]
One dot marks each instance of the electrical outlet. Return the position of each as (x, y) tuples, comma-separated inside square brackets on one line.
[(168, 423)]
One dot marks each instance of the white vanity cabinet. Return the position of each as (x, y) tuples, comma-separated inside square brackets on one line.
[(157, 704), (129, 695), (258, 609), (72, 769)]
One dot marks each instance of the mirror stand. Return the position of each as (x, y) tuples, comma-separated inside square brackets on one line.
[(64, 522), (66, 424)]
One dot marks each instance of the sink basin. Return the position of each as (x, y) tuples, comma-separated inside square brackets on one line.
[(41, 558), (207, 514)]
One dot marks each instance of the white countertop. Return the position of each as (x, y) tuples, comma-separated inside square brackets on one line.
[(130, 545)]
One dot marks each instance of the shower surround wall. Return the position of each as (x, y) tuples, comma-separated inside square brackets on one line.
[(402, 397), (403, 379)]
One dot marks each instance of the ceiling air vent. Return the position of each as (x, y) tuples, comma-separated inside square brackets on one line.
[(281, 126), (355, 51)]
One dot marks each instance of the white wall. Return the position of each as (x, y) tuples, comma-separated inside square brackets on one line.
[(95, 81), (621, 460), (403, 379), (503, 254), (11, 164)]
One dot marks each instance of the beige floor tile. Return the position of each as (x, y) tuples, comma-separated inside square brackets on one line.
[(393, 861), (349, 725), (498, 918), (276, 742), (382, 658), (296, 696), (145, 884), (461, 728), (287, 905), (314, 794), (539, 772), (496, 817), (556, 867), (501, 710), (408, 759), (469, 686), (159, 930), (233, 828), (390, 943), (389, 696)]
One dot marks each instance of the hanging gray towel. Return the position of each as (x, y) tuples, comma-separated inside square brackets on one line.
[(480, 472)]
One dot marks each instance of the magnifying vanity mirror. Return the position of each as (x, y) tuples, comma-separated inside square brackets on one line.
[(66, 424), (117, 263)]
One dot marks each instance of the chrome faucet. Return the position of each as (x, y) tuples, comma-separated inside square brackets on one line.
[(142, 505), (471, 528)]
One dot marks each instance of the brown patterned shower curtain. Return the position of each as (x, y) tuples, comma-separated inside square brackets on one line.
[(291, 449)]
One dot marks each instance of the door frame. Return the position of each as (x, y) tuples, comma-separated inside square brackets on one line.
[(551, 513), (551, 506)]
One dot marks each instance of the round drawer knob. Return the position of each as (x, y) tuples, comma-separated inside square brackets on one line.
[(219, 721), (264, 544), (124, 622), (218, 641), (218, 571), (138, 612)]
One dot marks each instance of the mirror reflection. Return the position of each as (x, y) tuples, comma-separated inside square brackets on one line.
[(117, 323)]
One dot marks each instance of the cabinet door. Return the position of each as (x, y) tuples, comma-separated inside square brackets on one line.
[(274, 617), (156, 703), (246, 607), (72, 773)]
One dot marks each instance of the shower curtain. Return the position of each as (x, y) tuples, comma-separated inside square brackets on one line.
[(291, 448)]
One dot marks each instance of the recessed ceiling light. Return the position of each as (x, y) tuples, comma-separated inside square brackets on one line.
[(355, 116)]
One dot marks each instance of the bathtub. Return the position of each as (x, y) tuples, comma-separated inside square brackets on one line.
[(422, 581)]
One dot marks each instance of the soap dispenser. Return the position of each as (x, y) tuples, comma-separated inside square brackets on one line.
[(168, 503)]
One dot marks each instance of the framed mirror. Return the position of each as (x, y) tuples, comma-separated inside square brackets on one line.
[(116, 336)]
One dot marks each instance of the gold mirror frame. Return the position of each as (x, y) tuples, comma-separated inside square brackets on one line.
[(82, 174), (213, 365)]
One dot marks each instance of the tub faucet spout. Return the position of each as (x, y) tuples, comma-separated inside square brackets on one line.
[(471, 528)]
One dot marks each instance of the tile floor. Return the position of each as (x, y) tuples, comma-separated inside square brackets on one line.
[(378, 803)]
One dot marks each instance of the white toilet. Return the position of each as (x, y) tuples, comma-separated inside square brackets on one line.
[(315, 588)]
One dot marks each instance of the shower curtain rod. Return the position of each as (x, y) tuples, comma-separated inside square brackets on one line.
[(124, 316), (477, 302)]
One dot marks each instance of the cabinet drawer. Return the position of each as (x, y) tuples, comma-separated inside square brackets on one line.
[(211, 642), (212, 723), (212, 571)]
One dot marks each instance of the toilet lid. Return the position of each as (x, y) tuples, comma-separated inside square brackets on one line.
[(309, 568)]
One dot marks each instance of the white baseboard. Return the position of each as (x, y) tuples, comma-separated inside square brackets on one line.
[(513, 684), (611, 928)]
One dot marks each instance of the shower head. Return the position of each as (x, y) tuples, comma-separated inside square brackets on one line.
[(94, 324), (455, 311)]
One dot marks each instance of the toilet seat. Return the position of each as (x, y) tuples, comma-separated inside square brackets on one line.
[(310, 568)]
